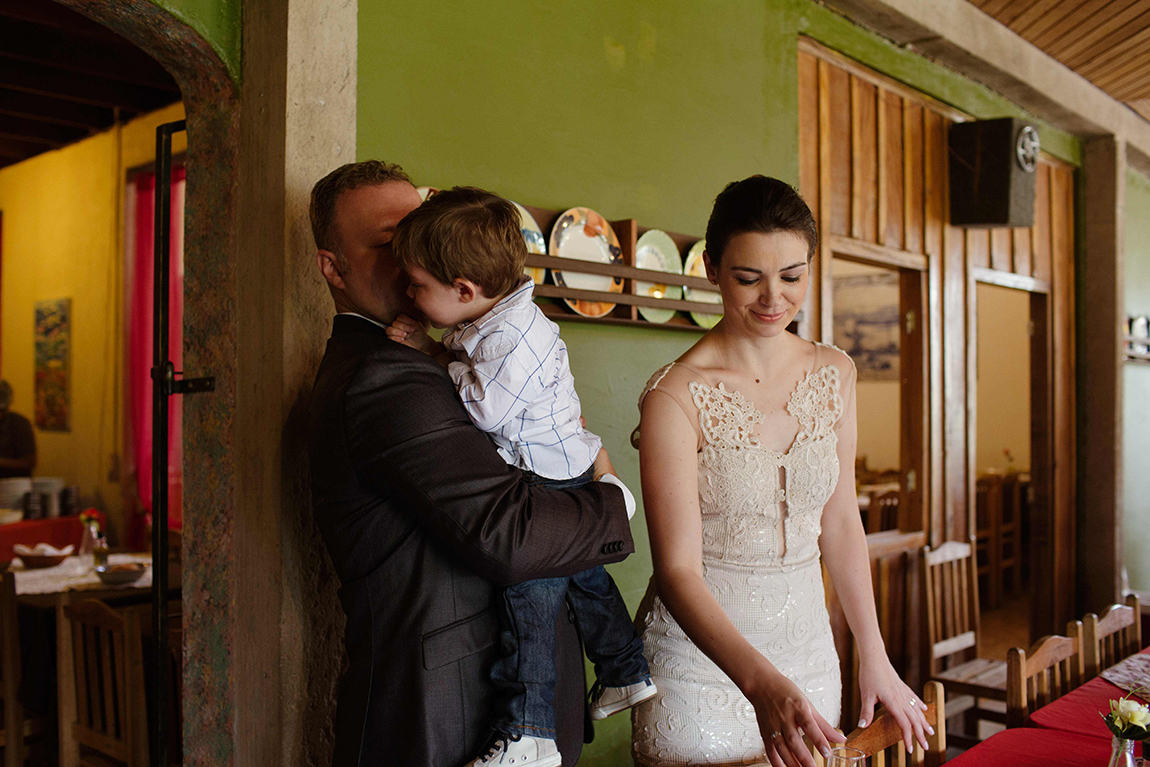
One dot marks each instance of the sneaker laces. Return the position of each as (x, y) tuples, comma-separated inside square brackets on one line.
[(498, 743)]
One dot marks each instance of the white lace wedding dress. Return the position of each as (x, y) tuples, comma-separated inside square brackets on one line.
[(761, 519)]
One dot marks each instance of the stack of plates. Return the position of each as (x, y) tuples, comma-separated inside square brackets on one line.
[(12, 492), (583, 234), (697, 268), (49, 488)]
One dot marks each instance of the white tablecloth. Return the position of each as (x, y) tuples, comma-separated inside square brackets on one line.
[(75, 574)]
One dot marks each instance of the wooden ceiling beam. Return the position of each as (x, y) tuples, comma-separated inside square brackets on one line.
[(22, 76), (50, 48), (14, 147), (59, 111), (56, 16), (37, 131)]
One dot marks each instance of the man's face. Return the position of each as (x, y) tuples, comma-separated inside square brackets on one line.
[(371, 283)]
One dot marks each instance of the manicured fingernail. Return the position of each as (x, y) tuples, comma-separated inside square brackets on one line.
[(862, 723), (930, 729), (910, 749), (826, 753)]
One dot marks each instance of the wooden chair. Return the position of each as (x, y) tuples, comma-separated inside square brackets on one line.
[(988, 536), (10, 707), (882, 514), (109, 677), (882, 740), (951, 583), (1051, 668), (1114, 636)]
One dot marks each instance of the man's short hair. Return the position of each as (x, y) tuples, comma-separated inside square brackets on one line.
[(327, 190), (465, 233), (5, 394)]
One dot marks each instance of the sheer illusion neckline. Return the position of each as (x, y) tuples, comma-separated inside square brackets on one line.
[(756, 416)]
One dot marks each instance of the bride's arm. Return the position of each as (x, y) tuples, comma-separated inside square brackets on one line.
[(844, 548), (669, 469)]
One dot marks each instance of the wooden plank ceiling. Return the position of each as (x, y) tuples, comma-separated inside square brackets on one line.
[(1105, 41), (63, 77)]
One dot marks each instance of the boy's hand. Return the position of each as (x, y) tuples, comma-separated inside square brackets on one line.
[(603, 464), (411, 333)]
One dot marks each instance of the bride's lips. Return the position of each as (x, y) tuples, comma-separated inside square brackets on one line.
[(769, 317)]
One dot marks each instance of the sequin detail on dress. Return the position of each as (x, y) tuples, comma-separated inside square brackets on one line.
[(761, 513)]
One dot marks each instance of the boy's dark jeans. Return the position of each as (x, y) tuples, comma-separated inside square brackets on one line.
[(524, 675)]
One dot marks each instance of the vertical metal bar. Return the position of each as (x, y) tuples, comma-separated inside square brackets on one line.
[(162, 378)]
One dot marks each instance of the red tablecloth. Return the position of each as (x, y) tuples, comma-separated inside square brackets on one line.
[(1078, 711), (1026, 746), (57, 532)]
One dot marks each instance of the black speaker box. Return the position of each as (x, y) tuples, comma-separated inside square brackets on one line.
[(992, 164)]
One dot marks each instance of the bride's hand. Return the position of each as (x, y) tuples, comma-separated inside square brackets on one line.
[(784, 715), (879, 683)]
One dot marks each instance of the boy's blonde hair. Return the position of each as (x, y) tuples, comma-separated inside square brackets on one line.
[(465, 233)]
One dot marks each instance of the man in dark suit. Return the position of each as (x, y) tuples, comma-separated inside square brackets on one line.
[(422, 518)]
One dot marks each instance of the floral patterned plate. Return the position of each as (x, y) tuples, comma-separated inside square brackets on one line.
[(657, 251), (696, 268), (583, 234), (533, 236)]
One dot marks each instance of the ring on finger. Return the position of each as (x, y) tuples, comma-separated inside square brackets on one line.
[(913, 702), (776, 734)]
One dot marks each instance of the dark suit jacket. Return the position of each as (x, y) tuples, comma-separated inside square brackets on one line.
[(424, 521)]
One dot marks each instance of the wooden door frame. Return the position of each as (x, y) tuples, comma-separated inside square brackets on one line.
[(1042, 434)]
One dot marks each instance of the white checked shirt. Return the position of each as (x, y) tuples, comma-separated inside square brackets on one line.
[(516, 385)]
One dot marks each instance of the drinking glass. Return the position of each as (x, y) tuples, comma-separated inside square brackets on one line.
[(843, 756)]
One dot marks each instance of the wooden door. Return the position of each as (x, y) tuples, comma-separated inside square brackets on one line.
[(873, 168)]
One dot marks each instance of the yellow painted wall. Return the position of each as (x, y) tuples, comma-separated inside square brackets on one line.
[(62, 238), (1003, 416)]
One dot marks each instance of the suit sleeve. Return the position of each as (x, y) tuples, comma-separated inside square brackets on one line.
[(414, 443)]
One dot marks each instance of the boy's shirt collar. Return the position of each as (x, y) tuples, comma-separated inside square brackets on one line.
[(519, 297)]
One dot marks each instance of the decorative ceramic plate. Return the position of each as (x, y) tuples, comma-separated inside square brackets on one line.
[(425, 192), (533, 236), (696, 268), (658, 252), (583, 234)]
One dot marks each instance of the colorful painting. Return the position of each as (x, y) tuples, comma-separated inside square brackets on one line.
[(866, 323), (53, 332)]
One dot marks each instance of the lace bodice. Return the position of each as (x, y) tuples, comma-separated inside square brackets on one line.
[(762, 506)]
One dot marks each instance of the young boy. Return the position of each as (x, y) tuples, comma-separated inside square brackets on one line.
[(464, 251)]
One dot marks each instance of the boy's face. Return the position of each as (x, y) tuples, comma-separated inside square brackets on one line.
[(443, 305)]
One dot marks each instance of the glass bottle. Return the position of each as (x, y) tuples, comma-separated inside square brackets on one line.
[(1122, 752), (100, 551)]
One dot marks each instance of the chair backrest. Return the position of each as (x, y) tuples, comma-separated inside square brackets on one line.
[(1051, 668), (1112, 637), (108, 662), (12, 736), (882, 740), (951, 582)]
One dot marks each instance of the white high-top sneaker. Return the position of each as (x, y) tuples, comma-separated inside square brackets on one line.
[(611, 700), (524, 751)]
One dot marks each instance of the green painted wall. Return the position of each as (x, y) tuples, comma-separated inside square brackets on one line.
[(1136, 424), (217, 21), (642, 109)]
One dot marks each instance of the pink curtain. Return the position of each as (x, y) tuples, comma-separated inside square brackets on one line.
[(139, 352)]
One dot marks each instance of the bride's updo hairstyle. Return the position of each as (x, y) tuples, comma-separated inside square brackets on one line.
[(758, 204)]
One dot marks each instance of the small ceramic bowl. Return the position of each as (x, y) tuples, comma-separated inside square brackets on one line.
[(120, 575), (32, 562)]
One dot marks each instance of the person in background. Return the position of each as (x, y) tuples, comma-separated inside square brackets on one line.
[(17, 440)]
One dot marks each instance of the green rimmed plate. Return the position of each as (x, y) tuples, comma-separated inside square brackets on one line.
[(657, 251), (696, 268)]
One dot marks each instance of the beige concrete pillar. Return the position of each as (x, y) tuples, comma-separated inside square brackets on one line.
[(297, 122), (1101, 302)]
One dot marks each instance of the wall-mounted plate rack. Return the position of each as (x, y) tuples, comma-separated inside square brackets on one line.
[(627, 303)]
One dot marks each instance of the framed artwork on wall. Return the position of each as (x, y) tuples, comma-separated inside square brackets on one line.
[(866, 312), (52, 364)]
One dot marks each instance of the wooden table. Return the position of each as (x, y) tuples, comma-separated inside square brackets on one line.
[(50, 589)]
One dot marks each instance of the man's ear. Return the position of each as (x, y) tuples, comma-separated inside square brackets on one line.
[(467, 290), (329, 267), (712, 272)]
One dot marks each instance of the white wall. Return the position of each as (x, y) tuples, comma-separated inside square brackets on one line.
[(1003, 416)]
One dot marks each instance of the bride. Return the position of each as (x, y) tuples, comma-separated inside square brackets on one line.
[(747, 459)]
